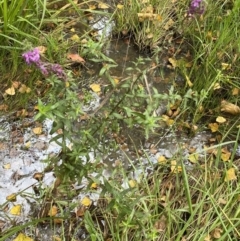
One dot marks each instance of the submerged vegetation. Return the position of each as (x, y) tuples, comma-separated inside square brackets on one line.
[(48, 52)]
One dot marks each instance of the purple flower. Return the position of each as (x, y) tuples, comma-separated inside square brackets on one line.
[(196, 7), (42, 67), (32, 56), (57, 69)]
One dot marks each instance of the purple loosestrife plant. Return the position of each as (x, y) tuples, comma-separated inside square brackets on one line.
[(33, 57), (196, 7)]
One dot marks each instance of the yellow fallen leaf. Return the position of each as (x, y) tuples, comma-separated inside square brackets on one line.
[(24, 89), (132, 183), (10, 91), (175, 168), (150, 35), (229, 108), (16, 210), (92, 7), (225, 156), (116, 81), (86, 201), (222, 201), (7, 166), (41, 49), (213, 126), (217, 233), (226, 66), (169, 24), (75, 38), (193, 158), (230, 175), (22, 237), (53, 211), (94, 185), (162, 160), (217, 86), (190, 84), (95, 87), (207, 238), (56, 238), (173, 62), (37, 130), (28, 144), (220, 119), (150, 16), (235, 91), (102, 5), (67, 84), (167, 120), (120, 6), (12, 197)]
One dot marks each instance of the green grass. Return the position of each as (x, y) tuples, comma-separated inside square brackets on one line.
[(212, 39), (148, 22)]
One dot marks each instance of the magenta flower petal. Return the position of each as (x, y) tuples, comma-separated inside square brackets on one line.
[(32, 56)]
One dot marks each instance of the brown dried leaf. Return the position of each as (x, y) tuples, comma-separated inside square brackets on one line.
[(3, 107), (38, 176), (161, 224), (81, 211), (15, 84), (75, 58), (230, 108)]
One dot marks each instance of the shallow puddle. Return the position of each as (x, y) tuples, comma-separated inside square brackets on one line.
[(22, 151)]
